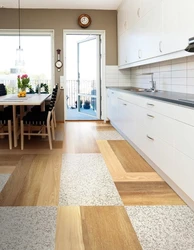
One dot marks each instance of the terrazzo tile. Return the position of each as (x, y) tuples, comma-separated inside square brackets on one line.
[(163, 227), (86, 181), (107, 135), (27, 228), (3, 179)]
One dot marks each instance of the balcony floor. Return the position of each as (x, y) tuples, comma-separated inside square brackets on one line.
[(85, 114)]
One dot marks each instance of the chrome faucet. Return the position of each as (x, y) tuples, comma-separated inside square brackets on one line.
[(153, 88)]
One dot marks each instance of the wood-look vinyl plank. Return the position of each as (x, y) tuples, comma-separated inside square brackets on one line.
[(147, 193), (104, 128), (32, 183), (9, 159), (14, 185), (78, 138), (138, 177), (69, 229), (115, 168), (104, 228), (50, 185), (129, 158), (7, 169)]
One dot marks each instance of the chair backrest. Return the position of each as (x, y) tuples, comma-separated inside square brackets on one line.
[(3, 90)]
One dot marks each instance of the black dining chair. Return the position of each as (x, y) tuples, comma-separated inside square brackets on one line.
[(3, 90), (38, 124), (6, 126)]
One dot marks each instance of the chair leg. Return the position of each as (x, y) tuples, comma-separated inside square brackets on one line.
[(29, 130), (22, 134), (49, 134), (10, 134), (53, 130), (54, 119)]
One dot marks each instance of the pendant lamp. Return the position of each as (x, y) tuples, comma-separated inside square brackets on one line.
[(19, 51)]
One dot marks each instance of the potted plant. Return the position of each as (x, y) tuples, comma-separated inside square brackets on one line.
[(23, 83), (87, 104)]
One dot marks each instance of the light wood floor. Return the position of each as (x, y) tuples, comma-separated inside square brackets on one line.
[(35, 181)]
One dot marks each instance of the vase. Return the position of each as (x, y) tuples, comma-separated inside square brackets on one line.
[(22, 92)]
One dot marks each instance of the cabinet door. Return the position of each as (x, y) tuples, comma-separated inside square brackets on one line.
[(184, 138), (122, 49), (172, 38), (147, 5), (127, 118), (151, 33), (186, 21), (133, 13), (122, 17), (183, 173), (112, 106)]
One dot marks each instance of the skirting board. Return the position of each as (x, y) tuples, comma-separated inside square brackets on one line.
[(171, 183)]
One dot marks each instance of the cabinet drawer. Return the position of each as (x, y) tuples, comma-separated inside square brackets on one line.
[(128, 97), (184, 114), (160, 107)]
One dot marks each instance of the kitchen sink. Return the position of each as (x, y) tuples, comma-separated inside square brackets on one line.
[(133, 89)]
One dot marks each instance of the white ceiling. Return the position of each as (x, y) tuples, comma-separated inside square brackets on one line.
[(62, 4)]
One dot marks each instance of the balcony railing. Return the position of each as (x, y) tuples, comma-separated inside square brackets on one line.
[(87, 91)]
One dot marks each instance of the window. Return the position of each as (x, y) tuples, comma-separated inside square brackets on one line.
[(37, 59)]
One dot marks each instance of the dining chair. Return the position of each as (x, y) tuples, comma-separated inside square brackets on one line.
[(5, 126), (3, 90), (53, 99), (38, 124)]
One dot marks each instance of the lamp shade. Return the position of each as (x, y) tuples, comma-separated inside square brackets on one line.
[(19, 62)]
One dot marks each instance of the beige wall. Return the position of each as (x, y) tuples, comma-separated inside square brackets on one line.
[(64, 19)]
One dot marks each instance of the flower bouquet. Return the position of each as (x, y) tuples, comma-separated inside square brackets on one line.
[(23, 83)]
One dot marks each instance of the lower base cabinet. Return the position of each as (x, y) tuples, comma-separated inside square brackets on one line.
[(166, 140)]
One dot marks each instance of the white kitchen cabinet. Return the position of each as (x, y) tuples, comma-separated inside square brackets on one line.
[(122, 49), (122, 17), (182, 173), (173, 36), (186, 20), (112, 105), (133, 12), (184, 138), (127, 121), (156, 30), (164, 132)]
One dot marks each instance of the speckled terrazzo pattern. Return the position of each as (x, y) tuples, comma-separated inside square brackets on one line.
[(27, 228), (163, 227), (107, 135), (3, 179), (86, 181)]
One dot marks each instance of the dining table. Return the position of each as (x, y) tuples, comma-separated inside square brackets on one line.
[(29, 100)]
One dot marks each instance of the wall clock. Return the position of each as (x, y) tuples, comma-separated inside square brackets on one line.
[(58, 63), (84, 20)]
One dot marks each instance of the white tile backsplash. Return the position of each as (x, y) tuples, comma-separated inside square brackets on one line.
[(173, 75)]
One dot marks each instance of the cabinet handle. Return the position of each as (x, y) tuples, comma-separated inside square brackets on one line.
[(150, 138), (124, 104), (150, 104), (138, 12), (150, 116), (112, 92), (160, 46), (139, 53)]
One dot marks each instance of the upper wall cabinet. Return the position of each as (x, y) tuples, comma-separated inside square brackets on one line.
[(154, 29)]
